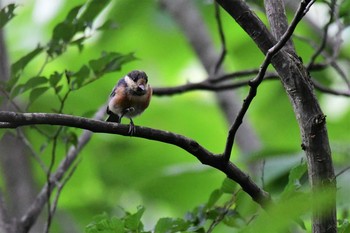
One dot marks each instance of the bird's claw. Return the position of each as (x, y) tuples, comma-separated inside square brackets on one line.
[(132, 128)]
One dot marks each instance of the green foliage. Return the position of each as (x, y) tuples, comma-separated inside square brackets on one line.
[(294, 183), (63, 33), (126, 223), (171, 225), (344, 12), (109, 62), (6, 14), (344, 226), (18, 66), (78, 20), (228, 186), (105, 224)]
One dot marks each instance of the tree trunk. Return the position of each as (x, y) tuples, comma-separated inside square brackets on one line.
[(311, 120)]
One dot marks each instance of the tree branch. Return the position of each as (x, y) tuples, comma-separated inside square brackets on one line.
[(276, 15), (222, 39), (97, 126)]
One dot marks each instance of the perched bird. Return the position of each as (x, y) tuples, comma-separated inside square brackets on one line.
[(129, 98)]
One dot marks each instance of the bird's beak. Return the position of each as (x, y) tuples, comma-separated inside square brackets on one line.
[(142, 87)]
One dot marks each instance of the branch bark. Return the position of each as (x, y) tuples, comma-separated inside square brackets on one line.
[(311, 120)]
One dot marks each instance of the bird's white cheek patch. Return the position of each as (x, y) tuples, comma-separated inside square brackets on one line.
[(131, 84)]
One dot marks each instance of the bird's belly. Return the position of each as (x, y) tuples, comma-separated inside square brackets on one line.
[(136, 105)]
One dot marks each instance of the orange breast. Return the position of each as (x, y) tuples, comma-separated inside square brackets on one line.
[(121, 101)]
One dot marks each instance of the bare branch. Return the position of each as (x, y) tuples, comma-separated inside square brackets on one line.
[(212, 84), (97, 126), (31, 149), (325, 35), (60, 187), (48, 180), (225, 210), (328, 90), (222, 39)]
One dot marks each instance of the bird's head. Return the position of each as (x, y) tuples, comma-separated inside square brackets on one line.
[(137, 82)]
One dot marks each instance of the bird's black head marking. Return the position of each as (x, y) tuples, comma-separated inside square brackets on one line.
[(136, 75)]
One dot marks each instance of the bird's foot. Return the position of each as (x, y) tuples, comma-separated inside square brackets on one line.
[(132, 128)]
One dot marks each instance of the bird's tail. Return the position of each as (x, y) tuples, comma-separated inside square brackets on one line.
[(113, 118)]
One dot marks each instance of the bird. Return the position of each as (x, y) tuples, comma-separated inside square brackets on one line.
[(129, 98)]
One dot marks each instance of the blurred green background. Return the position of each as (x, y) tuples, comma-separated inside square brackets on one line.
[(117, 171)]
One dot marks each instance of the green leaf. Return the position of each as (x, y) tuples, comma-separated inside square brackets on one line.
[(171, 225), (73, 13), (214, 197), (228, 186), (21, 64), (344, 12), (93, 9), (344, 226), (295, 174), (79, 43), (77, 21), (198, 217), (30, 84), (65, 30), (104, 224), (70, 138), (55, 78), (36, 93), (108, 25), (233, 219), (133, 221), (58, 89), (109, 62), (6, 14), (281, 216), (77, 78)]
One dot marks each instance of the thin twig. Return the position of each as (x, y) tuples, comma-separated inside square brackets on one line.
[(330, 60), (36, 157), (49, 183), (222, 39), (60, 187), (210, 85), (324, 37), (342, 171), (225, 211), (328, 90)]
